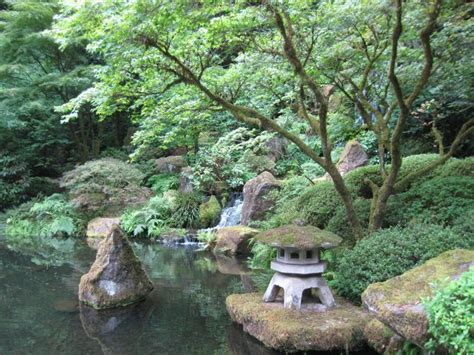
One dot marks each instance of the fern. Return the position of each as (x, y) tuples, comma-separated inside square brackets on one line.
[(51, 217)]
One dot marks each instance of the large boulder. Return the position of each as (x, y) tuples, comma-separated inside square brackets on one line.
[(170, 165), (353, 156), (397, 302), (309, 329), (234, 240), (257, 197), (117, 277)]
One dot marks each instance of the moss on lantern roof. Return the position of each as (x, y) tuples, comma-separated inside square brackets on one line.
[(301, 237)]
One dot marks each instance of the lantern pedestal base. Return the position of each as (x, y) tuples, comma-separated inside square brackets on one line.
[(293, 287)]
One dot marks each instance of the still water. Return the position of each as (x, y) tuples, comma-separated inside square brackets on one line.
[(185, 314)]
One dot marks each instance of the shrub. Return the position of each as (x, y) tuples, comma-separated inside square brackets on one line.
[(451, 316), (106, 185), (207, 237), (151, 220), (318, 203), (440, 200), (356, 179), (163, 182), (186, 212), (51, 217), (340, 225), (391, 252), (14, 181), (262, 255), (456, 167), (171, 210)]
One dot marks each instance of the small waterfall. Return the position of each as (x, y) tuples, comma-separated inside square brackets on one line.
[(231, 215)]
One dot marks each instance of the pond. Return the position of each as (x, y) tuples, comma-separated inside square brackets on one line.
[(185, 314)]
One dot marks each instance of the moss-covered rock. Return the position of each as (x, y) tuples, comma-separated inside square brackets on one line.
[(209, 212), (397, 301), (381, 338), (234, 240), (301, 237), (117, 277), (287, 330)]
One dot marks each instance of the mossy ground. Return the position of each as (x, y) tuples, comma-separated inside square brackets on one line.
[(311, 328)]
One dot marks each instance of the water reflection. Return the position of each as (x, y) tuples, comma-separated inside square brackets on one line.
[(185, 314), (117, 331)]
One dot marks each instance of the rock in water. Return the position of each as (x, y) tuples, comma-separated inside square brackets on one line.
[(117, 277)]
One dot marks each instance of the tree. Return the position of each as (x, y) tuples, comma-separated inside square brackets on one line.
[(380, 60)]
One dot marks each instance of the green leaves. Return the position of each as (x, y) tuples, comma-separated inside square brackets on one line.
[(451, 315)]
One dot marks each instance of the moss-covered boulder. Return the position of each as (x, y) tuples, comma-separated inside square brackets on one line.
[(234, 240), (381, 338), (258, 199), (397, 301), (308, 329), (209, 212), (117, 277)]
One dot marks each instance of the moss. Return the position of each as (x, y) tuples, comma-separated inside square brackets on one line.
[(397, 302), (381, 338), (299, 330), (415, 284), (209, 212), (301, 237)]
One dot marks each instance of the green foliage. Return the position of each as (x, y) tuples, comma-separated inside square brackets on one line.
[(186, 211), (357, 180), (440, 200), (456, 167), (318, 203), (51, 217), (451, 316), (152, 219), (207, 237), (168, 211), (106, 185), (339, 224), (286, 201), (163, 182), (262, 255), (233, 160), (14, 181), (391, 252)]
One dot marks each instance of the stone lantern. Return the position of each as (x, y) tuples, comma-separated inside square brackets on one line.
[(298, 266)]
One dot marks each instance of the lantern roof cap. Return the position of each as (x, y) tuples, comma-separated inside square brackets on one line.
[(300, 237)]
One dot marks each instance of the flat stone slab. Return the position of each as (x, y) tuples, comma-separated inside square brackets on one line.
[(313, 327), (397, 302)]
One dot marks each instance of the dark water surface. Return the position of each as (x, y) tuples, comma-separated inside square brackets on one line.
[(185, 314)]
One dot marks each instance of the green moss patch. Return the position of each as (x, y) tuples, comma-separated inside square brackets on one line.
[(301, 237), (397, 301), (307, 329)]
